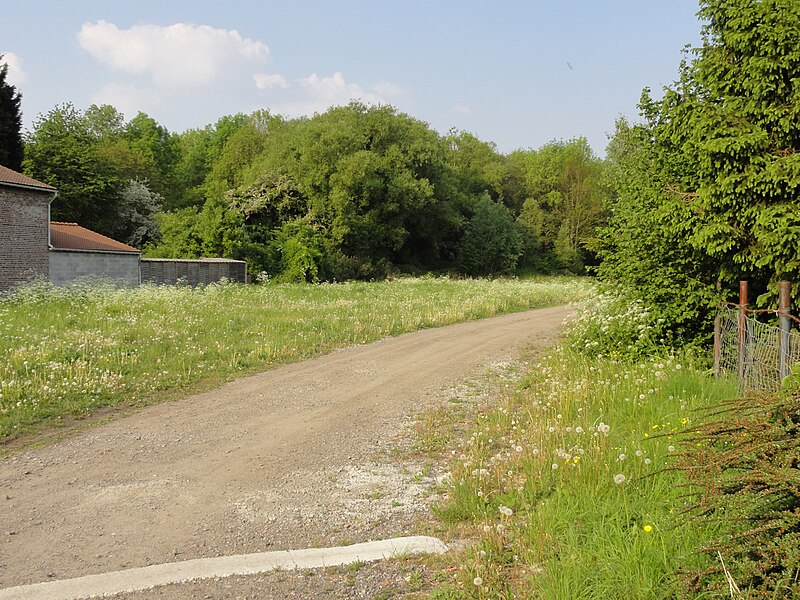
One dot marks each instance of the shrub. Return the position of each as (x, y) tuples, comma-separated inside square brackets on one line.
[(614, 323)]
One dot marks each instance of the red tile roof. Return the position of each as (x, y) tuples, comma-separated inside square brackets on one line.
[(71, 236), (18, 179)]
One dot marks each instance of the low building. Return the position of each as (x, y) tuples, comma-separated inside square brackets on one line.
[(24, 215), (77, 252)]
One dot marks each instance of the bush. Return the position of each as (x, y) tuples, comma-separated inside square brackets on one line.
[(614, 323)]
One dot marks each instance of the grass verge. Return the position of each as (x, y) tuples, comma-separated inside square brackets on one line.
[(561, 485), (66, 352)]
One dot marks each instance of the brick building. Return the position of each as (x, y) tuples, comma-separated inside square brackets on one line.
[(24, 231)]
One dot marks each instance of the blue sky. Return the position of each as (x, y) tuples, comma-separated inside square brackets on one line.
[(516, 73)]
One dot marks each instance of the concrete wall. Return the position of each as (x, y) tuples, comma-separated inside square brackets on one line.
[(24, 233), (69, 265), (192, 272)]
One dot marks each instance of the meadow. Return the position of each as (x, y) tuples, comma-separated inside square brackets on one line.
[(67, 352)]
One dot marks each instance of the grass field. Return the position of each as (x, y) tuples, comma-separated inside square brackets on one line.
[(65, 352)]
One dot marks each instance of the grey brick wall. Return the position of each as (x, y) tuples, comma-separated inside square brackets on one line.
[(193, 272), (69, 265), (24, 226)]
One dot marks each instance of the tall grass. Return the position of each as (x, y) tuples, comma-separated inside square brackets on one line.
[(67, 351), (562, 482)]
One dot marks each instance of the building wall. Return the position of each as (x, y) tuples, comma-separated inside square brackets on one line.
[(24, 229), (192, 272), (69, 265)]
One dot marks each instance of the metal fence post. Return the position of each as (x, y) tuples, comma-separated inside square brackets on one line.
[(784, 307), (742, 329)]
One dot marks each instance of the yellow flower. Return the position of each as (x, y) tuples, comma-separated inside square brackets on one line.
[(648, 528)]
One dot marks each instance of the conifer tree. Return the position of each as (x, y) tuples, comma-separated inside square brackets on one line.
[(10, 122)]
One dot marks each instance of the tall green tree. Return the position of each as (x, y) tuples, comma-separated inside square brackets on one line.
[(723, 149), (734, 115), (63, 151), (11, 148), (565, 200)]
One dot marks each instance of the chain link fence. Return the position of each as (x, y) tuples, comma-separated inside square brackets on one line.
[(754, 356)]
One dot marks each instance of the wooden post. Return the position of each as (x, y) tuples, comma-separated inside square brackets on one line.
[(784, 307), (718, 335), (742, 329)]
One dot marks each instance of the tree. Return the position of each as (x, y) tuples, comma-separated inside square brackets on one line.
[(565, 198), (11, 148), (492, 243), (138, 207), (63, 151), (723, 148), (735, 117)]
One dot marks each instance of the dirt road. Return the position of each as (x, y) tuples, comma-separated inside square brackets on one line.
[(294, 457)]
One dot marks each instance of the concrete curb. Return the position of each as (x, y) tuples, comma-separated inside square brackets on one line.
[(143, 578)]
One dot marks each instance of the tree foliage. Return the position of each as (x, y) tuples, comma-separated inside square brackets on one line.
[(356, 192), (721, 147), (11, 148), (564, 201)]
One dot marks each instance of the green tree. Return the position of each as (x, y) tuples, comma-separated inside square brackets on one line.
[(721, 147), (492, 242), (565, 199), (645, 243), (734, 116), (63, 151), (11, 148)]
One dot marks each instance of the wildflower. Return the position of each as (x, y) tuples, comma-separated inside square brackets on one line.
[(554, 466), (579, 429), (647, 461), (638, 453), (622, 457), (506, 511), (478, 581), (671, 448), (619, 478), (648, 528)]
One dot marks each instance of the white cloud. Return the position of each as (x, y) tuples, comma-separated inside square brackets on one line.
[(16, 75), (335, 90), (265, 81), (174, 56), (315, 94)]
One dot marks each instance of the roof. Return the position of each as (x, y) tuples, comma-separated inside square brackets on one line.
[(9, 177), (71, 236)]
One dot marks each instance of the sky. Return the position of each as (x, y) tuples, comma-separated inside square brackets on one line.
[(518, 73)]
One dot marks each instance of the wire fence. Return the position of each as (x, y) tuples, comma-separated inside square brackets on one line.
[(755, 353)]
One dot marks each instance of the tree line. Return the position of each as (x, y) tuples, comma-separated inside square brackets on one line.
[(356, 192)]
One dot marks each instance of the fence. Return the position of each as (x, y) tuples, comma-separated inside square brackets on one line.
[(759, 354), (192, 272)]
